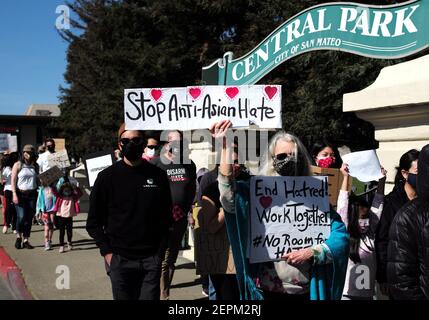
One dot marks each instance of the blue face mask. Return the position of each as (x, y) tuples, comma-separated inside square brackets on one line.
[(67, 193), (412, 180)]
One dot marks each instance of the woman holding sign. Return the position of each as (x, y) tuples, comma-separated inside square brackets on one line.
[(315, 273)]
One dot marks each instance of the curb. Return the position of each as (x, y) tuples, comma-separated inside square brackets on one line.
[(12, 276)]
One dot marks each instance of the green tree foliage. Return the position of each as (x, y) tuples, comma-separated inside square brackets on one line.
[(164, 43)]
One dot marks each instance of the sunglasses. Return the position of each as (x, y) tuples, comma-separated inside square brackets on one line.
[(135, 140), (283, 156), (152, 147)]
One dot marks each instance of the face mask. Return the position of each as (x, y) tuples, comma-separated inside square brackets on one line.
[(285, 167), (67, 193), (150, 153), (412, 180), (325, 162), (364, 225), (51, 149), (132, 152)]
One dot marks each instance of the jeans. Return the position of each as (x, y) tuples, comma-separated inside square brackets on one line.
[(169, 255), (135, 279), (25, 210)]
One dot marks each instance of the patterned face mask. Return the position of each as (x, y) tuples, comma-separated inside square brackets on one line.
[(285, 165), (326, 162)]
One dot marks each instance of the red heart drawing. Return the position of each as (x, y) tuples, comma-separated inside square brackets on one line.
[(270, 91), (265, 201), (156, 94), (232, 92), (194, 92)]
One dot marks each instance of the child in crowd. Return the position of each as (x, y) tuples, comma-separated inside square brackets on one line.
[(361, 221), (66, 207), (45, 206)]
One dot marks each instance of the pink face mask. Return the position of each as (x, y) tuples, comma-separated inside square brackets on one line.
[(326, 162)]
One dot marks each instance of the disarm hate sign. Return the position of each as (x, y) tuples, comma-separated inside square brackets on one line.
[(59, 159), (287, 213), (193, 108)]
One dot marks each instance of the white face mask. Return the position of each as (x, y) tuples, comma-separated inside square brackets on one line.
[(150, 152)]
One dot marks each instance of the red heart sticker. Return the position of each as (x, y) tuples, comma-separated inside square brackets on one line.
[(270, 91), (265, 201), (232, 92), (194, 93), (156, 94)]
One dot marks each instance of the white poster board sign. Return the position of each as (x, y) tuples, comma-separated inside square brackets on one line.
[(95, 165), (59, 159), (191, 108), (287, 213), (4, 142), (363, 165), (13, 143)]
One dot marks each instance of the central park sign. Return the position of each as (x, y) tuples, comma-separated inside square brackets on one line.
[(383, 32)]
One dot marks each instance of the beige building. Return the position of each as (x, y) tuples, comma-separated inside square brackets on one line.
[(397, 104)]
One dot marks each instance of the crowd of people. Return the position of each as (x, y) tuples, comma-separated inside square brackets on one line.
[(26, 200), (142, 205), (140, 208)]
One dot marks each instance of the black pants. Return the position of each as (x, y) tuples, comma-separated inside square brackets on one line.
[(65, 224), (226, 286), (135, 279), (10, 210)]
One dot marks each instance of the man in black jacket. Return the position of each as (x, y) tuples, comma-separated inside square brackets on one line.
[(408, 250), (129, 218)]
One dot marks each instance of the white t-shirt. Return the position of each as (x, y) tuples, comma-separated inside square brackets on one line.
[(43, 161), (27, 178), (7, 175)]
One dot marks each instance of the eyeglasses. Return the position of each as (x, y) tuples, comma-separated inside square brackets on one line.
[(135, 140), (283, 156), (152, 147)]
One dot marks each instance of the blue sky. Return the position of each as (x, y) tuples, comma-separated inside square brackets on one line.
[(32, 54)]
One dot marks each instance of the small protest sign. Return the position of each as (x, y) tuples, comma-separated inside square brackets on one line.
[(95, 164), (13, 143), (4, 142), (59, 159), (51, 176), (287, 213), (363, 165), (190, 108), (213, 253)]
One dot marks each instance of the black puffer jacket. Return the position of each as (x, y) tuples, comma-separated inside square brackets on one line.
[(408, 249)]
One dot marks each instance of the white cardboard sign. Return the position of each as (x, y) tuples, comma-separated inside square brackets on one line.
[(287, 213), (191, 108)]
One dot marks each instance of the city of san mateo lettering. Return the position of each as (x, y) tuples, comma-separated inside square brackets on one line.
[(287, 213)]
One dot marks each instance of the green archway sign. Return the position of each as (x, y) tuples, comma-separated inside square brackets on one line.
[(383, 32)]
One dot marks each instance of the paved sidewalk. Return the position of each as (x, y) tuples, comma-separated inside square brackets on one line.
[(88, 280)]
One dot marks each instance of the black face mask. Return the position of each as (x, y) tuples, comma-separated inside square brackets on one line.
[(132, 151), (51, 149), (285, 167), (412, 180)]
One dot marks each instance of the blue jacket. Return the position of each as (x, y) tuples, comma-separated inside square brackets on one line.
[(327, 281)]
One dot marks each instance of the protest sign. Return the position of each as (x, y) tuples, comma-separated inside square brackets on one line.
[(60, 144), (4, 142), (363, 165), (191, 108), (13, 143), (51, 176), (59, 159), (287, 213), (213, 254), (335, 181), (96, 163)]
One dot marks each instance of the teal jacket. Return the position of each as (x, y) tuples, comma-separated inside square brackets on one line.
[(327, 281)]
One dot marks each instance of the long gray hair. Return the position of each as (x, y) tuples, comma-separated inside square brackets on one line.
[(302, 165)]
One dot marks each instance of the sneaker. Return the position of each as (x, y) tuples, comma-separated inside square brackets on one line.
[(18, 243), (205, 293), (48, 246), (61, 249), (69, 247), (27, 245), (5, 229), (14, 231)]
